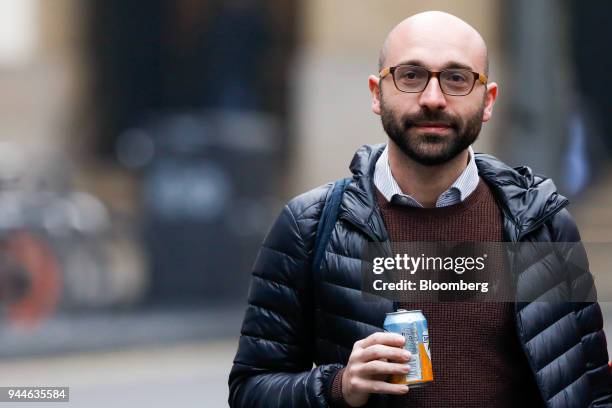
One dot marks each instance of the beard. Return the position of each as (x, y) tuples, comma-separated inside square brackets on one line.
[(431, 149)]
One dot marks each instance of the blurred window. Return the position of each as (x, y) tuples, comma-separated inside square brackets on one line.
[(18, 31)]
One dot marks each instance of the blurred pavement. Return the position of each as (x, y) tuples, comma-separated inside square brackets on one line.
[(188, 375)]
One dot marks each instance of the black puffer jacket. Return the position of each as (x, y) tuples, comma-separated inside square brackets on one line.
[(295, 319)]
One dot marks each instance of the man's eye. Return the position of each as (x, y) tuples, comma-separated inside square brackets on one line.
[(456, 77), (409, 75)]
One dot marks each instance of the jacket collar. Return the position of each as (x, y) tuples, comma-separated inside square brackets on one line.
[(527, 200)]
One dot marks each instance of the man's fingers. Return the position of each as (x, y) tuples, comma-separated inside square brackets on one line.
[(377, 367), (380, 351), (379, 387), (387, 338)]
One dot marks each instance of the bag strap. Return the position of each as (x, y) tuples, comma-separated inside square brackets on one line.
[(328, 219)]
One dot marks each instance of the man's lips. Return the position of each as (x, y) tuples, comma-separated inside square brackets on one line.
[(432, 126)]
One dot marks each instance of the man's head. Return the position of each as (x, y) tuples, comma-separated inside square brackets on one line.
[(429, 126)]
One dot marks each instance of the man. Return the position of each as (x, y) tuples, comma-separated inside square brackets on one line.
[(426, 184)]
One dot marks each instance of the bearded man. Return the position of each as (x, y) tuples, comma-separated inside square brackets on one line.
[(426, 184)]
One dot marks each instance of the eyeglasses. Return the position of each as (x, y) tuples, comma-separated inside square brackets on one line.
[(413, 78)]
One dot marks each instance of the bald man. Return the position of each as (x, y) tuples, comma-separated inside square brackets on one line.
[(426, 184)]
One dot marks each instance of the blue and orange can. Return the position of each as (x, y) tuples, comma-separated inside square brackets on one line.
[(412, 324)]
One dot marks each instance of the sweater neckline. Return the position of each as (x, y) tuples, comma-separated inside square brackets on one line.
[(470, 201)]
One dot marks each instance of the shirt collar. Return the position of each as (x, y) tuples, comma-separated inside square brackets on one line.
[(461, 188)]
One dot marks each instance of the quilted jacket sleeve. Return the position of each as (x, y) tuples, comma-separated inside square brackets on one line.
[(273, 366), (586, 308)]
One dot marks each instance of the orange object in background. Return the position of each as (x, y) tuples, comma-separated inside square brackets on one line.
[(39, 267)]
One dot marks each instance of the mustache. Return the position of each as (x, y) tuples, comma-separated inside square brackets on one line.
[(430, 116)]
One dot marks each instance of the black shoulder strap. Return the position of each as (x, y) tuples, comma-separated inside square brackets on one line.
[(328, 219)]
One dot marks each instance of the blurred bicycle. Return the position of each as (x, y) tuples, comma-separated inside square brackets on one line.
[(59, 249)]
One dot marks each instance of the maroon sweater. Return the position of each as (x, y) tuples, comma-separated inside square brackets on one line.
[(477, 359)]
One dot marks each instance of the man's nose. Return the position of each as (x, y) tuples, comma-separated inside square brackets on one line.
[(432, 96)]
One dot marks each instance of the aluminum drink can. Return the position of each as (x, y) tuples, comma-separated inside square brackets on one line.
[(413, 326)]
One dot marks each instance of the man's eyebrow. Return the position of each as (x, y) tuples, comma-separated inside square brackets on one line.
[(448, 65)]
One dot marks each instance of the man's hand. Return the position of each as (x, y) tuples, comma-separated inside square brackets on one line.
[(369, 365)]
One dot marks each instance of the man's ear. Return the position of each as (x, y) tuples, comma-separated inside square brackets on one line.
[(374, 84), (490, 98)]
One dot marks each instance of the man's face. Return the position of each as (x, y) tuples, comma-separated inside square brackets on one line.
[(449, 135), (429, 126)]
